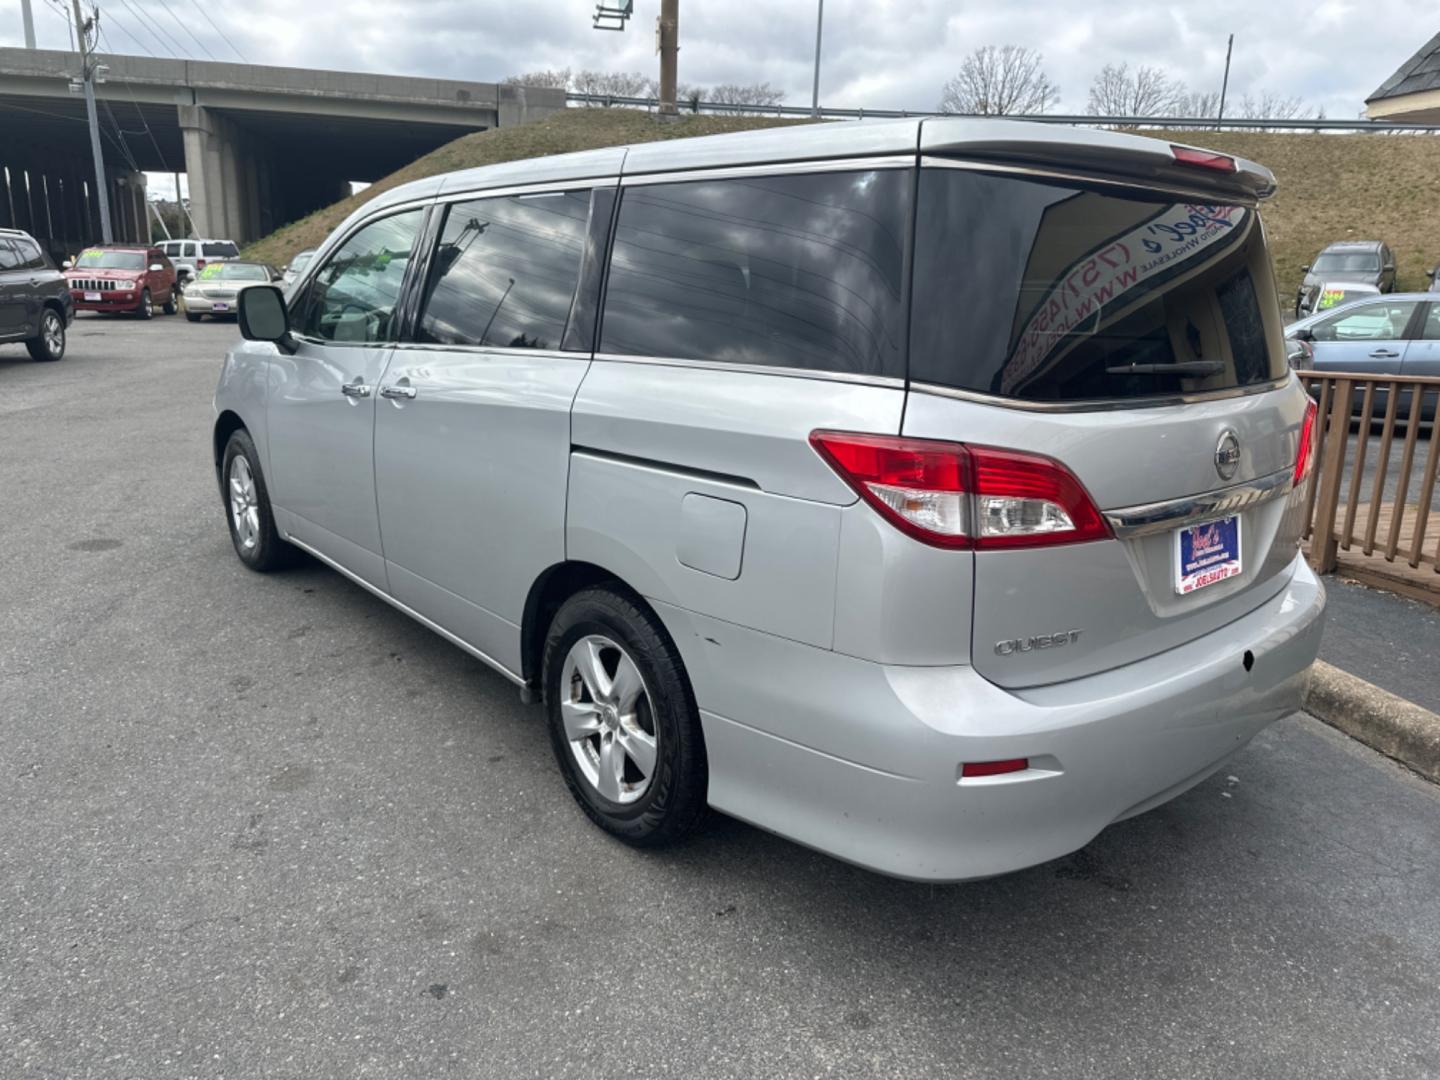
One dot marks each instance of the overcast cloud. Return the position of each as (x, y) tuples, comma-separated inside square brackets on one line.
[(877, 53)]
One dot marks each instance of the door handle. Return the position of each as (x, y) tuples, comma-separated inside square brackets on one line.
[(395, 390), (1384, 354), (355, 389)]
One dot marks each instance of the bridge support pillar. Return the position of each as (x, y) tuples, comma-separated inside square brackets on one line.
[(222, 163)]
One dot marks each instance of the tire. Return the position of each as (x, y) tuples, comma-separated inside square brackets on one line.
[(190, 316), (247, 507), (146, 309), (170, 307), (658, 726), (48, 345)]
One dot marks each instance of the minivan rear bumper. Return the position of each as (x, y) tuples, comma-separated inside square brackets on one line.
[(862, 760)]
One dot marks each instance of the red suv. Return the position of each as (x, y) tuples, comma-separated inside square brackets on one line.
[(122, 277)]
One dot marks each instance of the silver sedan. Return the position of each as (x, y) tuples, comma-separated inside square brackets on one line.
[(216, 292)]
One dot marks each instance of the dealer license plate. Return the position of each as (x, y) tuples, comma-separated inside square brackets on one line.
[(92, 296), (220, 307), (1206, 554)]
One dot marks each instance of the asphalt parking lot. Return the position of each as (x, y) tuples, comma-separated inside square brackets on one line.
[(268, 827)]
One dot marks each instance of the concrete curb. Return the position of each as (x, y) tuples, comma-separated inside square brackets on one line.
[(1396, 727)]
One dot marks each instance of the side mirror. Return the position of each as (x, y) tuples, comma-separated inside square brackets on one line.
[(67, 264), (1298, 354), (1305, 269), (1389, 268), (1431, 272), (156, 268), (1305, 334), (263, 316)]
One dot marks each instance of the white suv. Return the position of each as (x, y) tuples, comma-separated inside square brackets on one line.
[(192, 256)]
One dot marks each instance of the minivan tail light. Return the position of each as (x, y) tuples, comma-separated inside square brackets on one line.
[(958, 496), (1204, 159), (1305, 456)]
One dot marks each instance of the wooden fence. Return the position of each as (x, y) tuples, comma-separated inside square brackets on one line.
[(1381, 536)]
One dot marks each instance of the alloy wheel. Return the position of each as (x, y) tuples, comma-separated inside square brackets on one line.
[(244, 505), (609, 720), (53, 331)]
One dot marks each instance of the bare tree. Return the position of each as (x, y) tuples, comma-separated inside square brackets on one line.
[(758, 96), (1146, 91), (616, 83), (1005, 80), (557, 79), (1268, 106)]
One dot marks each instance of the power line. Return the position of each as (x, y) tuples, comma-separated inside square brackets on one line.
[(149, 29), (172, 46), (171, 12), (110, 17), (200, 8)]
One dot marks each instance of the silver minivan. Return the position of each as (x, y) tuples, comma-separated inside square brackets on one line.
[(928, 492)]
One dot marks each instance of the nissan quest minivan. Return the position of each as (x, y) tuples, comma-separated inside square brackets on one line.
[(928, 492)]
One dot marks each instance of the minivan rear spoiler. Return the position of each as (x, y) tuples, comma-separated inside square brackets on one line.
[(1103, 154)]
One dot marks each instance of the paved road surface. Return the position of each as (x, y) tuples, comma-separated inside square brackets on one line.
[(1385, 639), (267, 827)]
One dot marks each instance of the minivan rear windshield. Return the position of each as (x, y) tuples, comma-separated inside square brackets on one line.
[(1059, 292)]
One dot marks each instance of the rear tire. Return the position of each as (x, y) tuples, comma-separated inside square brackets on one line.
[(619, 704), (48, 345), (247, 507)]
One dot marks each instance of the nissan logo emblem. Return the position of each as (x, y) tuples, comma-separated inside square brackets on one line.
[(1227, 455)]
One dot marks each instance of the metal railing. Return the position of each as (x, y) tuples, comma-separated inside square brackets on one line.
[(1385, 524), (1182, 123)]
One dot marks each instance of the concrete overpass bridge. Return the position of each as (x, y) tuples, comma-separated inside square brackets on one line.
[(261, 146)]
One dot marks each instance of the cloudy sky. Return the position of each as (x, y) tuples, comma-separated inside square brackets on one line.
[(877, 53)]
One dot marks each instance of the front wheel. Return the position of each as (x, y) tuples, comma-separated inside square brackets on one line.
[(146, 309), (247, 505), (49, 344), (623, 721), (170, 307)]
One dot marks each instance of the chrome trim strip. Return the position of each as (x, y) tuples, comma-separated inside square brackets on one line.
[(490, 350), (886, 381), (1098, 404), (774, 168), (670, 468), (1138, 184), (1131, 522), (541, 187), (404, 610)]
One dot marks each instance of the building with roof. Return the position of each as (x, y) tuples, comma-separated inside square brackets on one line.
[(1413, 92)]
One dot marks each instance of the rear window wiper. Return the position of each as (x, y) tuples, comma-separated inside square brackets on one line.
[(1183, 367)]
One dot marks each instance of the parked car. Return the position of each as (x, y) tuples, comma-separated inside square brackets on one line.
[(1367, 261), (297, 265), (1326, 296), (940, 587), (192, 256), (35, 305), (1434, 275), (121, 278), (214, 293), (1398, 334)]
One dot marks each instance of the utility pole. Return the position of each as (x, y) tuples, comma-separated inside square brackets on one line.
[(28, 18), (667, 33), (1225, 85), (815, 94), (87, 78)]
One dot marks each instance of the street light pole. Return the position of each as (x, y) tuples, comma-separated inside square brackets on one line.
[(668, 39), (87, 77), (28, 18), (815, 93), (1225, 84)]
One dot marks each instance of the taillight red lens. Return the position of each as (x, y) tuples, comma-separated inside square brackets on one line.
[(1305, 457), (918, 485), (957, 496), (1205, 159)]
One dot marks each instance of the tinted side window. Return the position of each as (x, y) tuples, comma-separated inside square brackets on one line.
[(1056, 292), (30, 255), (9, 257), (352, 299), (220, 250), (505, 270), (188, 251), (791, 271)]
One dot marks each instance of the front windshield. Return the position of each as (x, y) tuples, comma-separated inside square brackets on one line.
[(99, 259), (1357, 262)]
